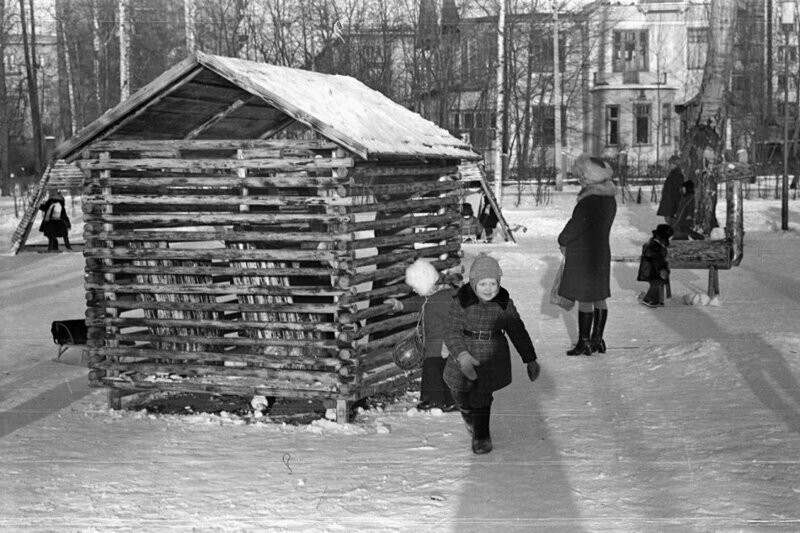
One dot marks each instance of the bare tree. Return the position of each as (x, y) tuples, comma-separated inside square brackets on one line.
[(29, 48), (5, 184)]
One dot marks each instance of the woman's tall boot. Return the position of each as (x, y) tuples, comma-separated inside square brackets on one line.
[(597, 342), (584, 330)]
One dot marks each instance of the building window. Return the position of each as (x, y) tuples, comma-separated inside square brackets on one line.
[(666, 124), (544, 119), (630, 51), (697, 48), (477, 56), (787, 52), (612, 125), (641, 123)]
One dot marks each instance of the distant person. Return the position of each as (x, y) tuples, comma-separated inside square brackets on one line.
[(671, 191), (584, 241), (480, 317), (55, 222), (684, 214), (654, 265), (470, 227), (487, 218)]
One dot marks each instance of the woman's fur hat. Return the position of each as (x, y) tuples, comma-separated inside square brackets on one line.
[(591, 169), (422, 277)]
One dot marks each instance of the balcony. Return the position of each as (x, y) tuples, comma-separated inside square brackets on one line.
[(605, 78)]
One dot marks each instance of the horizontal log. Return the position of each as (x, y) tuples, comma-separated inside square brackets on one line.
[(256, 359), (397, 256), (96, 231), (392, 272), (415, 187), (203, 201), (378, 327), (149, 370), (363, 314), (97, 300), (229, 254), (367, 170), (221, 182), (405, 221), (700, 254), (225, 386), (406, 238), (281, 164), (222, 270), (215, 219), (322, 344), (203, 289), (214, 144), (417, 205), (228, 326), (386, 377)]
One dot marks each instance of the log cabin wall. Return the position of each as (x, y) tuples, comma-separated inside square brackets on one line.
[(256, 267)]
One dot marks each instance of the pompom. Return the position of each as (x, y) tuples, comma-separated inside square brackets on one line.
[(422, 277)]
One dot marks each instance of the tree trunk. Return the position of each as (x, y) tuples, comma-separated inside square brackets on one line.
[(5, 180), (124, 51), (708, 114), (29, 48), (189, 19)]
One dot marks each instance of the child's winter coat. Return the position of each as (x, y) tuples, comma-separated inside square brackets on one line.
[(653, 264), (490, 321)]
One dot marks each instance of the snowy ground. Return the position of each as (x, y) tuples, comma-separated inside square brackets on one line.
[(690, 422)]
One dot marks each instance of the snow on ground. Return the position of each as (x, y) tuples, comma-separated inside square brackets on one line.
[(690, 421)]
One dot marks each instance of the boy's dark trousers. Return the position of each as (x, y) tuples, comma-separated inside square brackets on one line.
[(476, 410), (655, 293), (434, 390)]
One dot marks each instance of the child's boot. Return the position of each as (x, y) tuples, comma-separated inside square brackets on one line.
[(481, 438), (597, 342), (584, 329)]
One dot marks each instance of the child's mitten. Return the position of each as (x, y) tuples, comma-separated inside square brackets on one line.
[(533, 370), (468, 364)]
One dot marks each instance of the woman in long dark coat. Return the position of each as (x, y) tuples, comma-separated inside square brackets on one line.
[(55, 221), (584, 241)]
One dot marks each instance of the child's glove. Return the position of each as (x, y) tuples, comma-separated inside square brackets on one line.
[(663, 273), (468, 364), (533, 370), (396, 304)]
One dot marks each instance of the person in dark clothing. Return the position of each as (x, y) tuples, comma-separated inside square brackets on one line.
[(470, 227), (55, 222), (684, 214), (671, 192), (584, 241), (487, 218), (433, 300), (654, 265), (480, 317)]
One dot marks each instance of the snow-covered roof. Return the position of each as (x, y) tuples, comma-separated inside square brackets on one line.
[(214, 97)]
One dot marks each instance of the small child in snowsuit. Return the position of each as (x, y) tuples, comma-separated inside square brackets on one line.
[(653, 265), (432, 299), (481, 315), (470, 227)]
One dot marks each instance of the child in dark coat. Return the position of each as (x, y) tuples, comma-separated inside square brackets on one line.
[(480, 317), (432, 300), (55, 222), (654, 267)]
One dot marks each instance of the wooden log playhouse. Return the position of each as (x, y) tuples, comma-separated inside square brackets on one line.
[(244, 224)]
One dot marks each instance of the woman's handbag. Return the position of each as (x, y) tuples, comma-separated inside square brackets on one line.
[(409, 353), (555, 298)]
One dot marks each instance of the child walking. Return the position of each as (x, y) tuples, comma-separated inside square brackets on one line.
[(481, 315), (654, 267), (433, 300)]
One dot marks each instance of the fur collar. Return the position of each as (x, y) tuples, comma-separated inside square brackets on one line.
[(606, 188), (466, 297)]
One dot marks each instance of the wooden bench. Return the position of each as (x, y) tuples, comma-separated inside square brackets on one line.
[(714, 255)]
